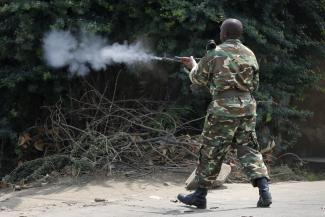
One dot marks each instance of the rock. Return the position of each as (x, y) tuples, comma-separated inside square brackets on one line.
[(166, 184), (155, 197), (4, 199), (99, 200), (44, 184), (225, 170), (25, 187), (17, 188)]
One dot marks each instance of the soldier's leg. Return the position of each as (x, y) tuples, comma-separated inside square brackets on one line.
[(216, 139), (251, 159)]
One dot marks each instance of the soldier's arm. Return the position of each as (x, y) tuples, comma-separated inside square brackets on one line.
[(256, 80), (256, 76), (200, 73)]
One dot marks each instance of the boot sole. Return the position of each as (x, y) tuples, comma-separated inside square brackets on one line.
[(264, 204)]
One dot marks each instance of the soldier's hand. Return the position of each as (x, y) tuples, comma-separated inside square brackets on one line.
[(189, 62)]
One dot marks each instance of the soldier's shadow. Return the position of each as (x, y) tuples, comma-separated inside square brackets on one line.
[(188, 210), (193, 210)]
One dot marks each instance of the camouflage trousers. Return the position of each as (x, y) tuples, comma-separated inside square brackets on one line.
[(219, 134)]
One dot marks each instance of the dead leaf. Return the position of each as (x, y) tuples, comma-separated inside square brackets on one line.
[(24, 139), (39, 145), (3, 184), (164, 151), (54, 131)]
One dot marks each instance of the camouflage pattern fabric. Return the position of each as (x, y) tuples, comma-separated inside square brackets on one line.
[(231, 119), (231, 66), (219, 134)]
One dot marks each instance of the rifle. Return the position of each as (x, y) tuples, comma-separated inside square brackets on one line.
[(211, 45)]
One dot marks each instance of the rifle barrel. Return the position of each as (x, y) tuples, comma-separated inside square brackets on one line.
[(175, 59)]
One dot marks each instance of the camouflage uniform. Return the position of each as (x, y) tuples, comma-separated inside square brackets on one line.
[(231, 73)]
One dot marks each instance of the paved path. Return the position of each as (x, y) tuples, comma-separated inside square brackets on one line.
[(143, 199)]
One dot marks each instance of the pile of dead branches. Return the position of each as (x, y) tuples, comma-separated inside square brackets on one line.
[(99, 133)]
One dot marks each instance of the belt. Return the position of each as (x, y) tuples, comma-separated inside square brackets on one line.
[(231, 93)]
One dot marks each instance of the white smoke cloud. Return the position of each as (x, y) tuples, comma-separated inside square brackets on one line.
[(62, 49), (59, 47)]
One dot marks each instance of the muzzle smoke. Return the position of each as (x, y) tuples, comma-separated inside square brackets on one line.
[(62, 49)]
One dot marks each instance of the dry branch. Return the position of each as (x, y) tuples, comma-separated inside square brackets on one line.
[(103, 133)]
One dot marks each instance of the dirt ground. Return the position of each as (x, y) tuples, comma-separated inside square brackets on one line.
[(156, 196)]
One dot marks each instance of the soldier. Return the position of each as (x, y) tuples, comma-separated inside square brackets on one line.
[(230, 71)]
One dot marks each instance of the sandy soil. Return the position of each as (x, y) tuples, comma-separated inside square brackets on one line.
[(155, 196)]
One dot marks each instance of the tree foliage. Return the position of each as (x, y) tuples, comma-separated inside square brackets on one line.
[(286, 35)]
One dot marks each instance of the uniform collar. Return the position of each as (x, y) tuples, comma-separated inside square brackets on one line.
[(232, 41)]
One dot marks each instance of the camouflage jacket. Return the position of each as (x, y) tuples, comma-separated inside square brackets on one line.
[(230, 67)]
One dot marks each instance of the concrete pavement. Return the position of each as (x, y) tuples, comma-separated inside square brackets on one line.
[(142, 199)]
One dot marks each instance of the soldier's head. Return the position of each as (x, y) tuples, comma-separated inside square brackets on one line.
[(231, 29)]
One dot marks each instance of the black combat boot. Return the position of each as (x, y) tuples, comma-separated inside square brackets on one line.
[(265, 195), (198, 198)]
